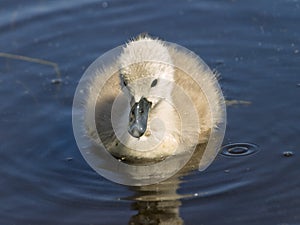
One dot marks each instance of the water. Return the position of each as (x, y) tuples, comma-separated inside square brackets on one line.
[(253, 45), (239, 149)]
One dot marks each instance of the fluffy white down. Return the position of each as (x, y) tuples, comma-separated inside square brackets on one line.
[(147, 57)]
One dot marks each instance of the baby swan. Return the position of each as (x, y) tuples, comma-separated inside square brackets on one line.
[(145, 110), (165, 109)]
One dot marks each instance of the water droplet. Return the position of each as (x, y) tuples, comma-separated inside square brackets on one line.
[(220, 62), (239, 149), (288, 153), (56, 81)]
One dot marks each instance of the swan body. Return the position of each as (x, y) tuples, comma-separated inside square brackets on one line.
[(145, 70), (145, 106)]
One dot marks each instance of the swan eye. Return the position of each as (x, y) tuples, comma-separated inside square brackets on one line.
[(125, 83), (154, 83)]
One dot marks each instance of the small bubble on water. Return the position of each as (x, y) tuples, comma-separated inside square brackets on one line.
[(69, 159), (220, 62), (288, 153), (56, 81)]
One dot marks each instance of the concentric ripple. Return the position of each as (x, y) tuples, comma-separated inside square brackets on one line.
[(239, 149)]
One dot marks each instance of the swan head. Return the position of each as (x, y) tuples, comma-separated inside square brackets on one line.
[(146, 76)]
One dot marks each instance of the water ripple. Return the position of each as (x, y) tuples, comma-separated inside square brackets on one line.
[(239, 149)]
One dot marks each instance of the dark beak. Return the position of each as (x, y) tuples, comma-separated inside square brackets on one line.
[(138, 118)]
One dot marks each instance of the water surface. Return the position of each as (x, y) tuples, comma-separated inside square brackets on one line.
[(254, 45)]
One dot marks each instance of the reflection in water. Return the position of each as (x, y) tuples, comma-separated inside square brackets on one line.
[(156, 212), (160, 203)]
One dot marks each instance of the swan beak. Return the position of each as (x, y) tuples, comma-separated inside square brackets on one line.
[(138, 118)]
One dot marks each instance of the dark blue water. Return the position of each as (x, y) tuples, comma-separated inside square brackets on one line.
[(254, 45)]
